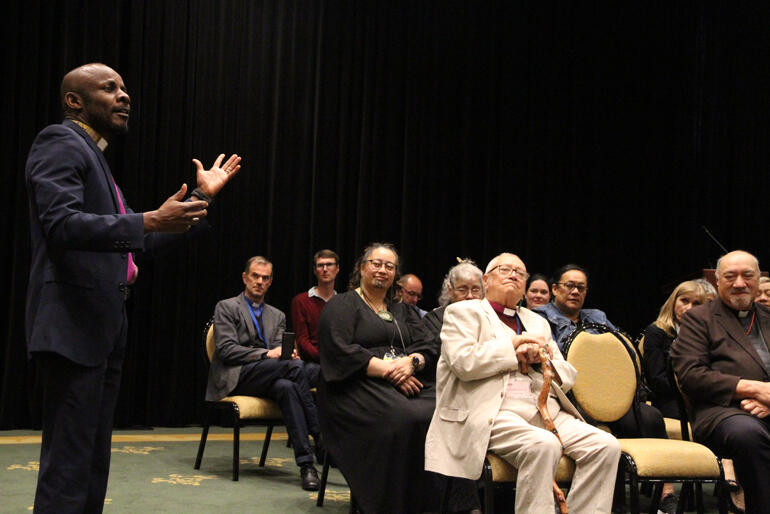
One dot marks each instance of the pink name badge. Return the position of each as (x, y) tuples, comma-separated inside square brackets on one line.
[(518, 389)]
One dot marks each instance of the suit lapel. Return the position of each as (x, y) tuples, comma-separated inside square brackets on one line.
[(106, 173), (729, 322), (268, 322), (245, 312)]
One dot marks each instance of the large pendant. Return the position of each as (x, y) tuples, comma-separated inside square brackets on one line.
[(386, 315)]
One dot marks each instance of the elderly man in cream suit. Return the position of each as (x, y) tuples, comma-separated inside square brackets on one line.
[(485, 403)]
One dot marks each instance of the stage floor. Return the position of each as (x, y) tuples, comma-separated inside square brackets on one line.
[(152, 471)]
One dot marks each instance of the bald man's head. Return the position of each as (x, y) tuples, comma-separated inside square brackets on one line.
[(738, 279), (95, 94), (411, 289)]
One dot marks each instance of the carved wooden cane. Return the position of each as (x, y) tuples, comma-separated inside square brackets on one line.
[(542, 407)]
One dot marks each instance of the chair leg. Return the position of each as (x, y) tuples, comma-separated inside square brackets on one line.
[(201, 446), (657, 490), (699, 496), (633, 490), (236, 449), (722, 497), (619, 496), (324, 478), (685, 498), (265, 445)]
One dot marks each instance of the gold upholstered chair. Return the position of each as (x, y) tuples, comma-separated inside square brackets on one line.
[(498, 473), (605, 389), (673, 426), (241, 410)]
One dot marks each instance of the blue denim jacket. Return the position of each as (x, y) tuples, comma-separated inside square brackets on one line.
[(562, 326)]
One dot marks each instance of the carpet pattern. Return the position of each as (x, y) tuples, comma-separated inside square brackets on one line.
[(152, 471)]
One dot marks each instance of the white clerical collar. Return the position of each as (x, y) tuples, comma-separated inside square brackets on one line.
[(510, 312)]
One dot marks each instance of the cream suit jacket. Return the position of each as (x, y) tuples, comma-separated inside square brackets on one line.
[(471, 377)]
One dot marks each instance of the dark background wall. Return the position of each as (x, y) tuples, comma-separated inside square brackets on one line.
[(604, 135)]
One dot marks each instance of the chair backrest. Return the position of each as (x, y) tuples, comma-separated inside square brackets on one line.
[(209, 344), (606, 382), (640, 344), (682, 401)]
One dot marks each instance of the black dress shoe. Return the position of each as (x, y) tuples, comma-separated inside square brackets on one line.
[(309, 476)]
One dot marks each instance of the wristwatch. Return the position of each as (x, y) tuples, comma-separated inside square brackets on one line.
[(415, 362)]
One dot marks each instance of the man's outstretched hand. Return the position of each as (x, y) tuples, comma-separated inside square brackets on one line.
[(213, 180), (175, 215)]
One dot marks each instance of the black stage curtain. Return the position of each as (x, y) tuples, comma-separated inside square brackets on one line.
[(597, 133)]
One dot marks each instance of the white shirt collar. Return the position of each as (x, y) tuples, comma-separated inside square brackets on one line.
[(313, 291)]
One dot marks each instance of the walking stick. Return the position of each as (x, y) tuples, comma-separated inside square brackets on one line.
[(542, 407)]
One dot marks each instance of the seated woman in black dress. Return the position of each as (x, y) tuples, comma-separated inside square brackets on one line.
[(657, 343), (374, 412)]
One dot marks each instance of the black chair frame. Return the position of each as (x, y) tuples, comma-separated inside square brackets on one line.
[(231, 410)]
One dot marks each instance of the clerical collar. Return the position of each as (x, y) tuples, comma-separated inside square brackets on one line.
[(251, 303), (501, 309), (739, 314), (98, 139)]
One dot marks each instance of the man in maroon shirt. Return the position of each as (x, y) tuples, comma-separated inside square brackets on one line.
[(306, 310)]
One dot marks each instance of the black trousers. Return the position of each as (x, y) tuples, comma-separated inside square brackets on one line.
[(286, 382), (651, 423), (746, 440), (78, 410)]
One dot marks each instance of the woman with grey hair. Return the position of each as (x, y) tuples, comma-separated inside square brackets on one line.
[(462, 282)]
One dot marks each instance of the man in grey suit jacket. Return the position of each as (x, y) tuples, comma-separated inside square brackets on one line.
[(248, 334), (486, 403), (722, 360)]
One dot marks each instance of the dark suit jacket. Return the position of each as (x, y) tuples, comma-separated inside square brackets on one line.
[(79, 247), (80, 244), (710, 355), (237, 343)]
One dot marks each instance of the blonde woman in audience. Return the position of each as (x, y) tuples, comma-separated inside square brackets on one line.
[(657, 343)]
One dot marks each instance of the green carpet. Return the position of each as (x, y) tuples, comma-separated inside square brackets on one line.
[(152, 471)]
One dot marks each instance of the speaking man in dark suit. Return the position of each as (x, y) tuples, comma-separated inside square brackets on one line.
[(84, 237), (722, 361), (248, 334)]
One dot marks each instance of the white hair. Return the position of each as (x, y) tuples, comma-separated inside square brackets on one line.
[(467, 269)]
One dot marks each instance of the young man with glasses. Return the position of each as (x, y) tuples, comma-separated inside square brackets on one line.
[(306, 310), (569, 287)]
